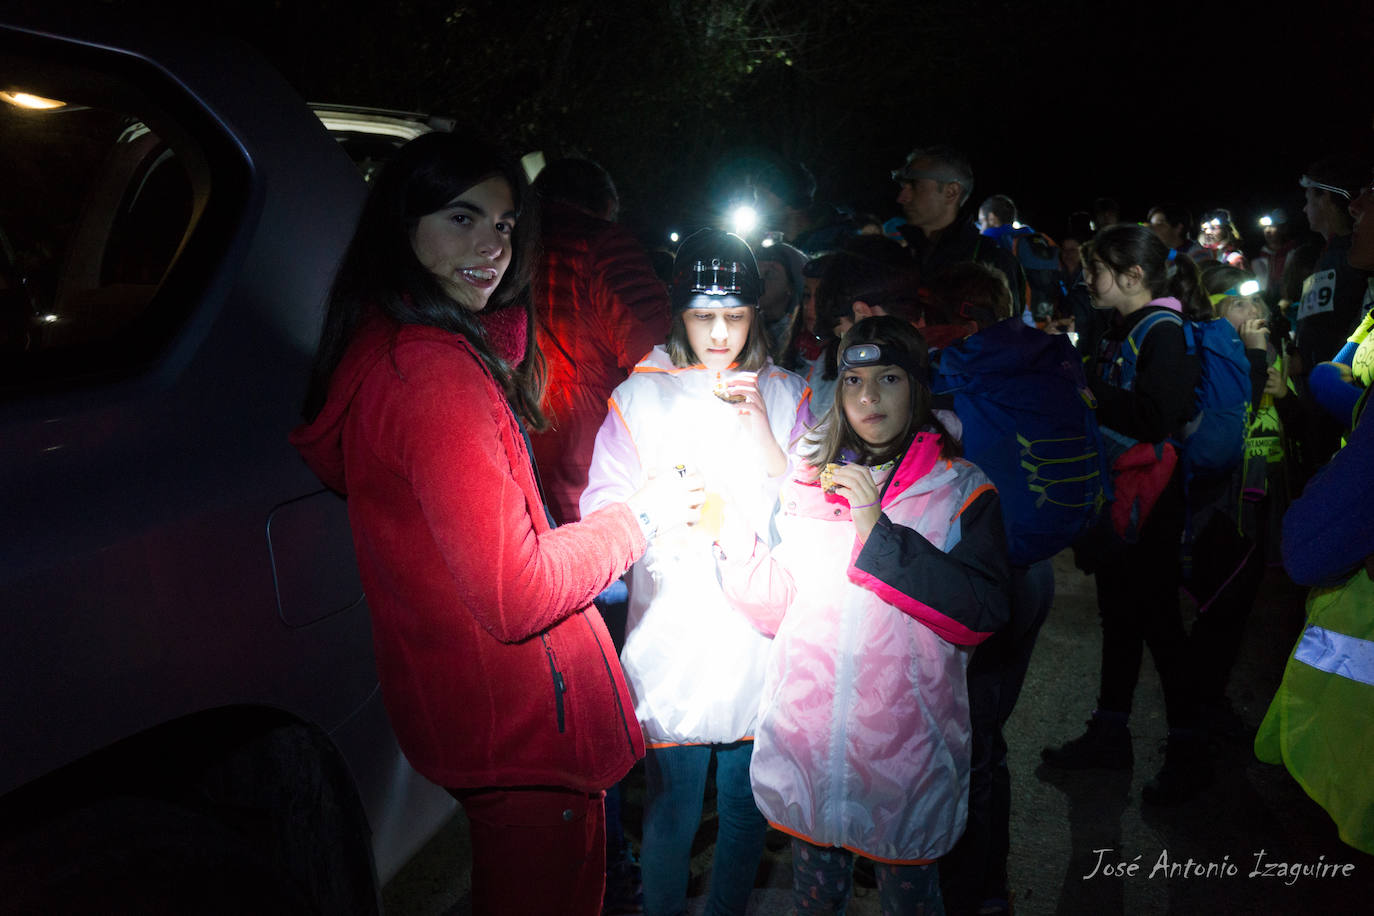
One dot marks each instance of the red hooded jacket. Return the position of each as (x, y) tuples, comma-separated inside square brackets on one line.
[(494, 669)]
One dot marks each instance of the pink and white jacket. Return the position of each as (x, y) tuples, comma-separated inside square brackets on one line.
[(863, 737)]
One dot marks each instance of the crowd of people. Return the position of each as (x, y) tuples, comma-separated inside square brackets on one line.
[(769, 468)]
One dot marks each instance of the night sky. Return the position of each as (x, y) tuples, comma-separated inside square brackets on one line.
[(1055, 102)]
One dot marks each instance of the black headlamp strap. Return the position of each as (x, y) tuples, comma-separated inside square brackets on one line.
[(862, 355)]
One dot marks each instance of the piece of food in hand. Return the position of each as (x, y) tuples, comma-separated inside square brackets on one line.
[(712, 515), (827, 478), (721, 392), (729, 398)]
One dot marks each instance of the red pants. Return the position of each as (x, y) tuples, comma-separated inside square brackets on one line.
[(536, 852)]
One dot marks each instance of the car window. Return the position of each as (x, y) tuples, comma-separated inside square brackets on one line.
[(99, 201)]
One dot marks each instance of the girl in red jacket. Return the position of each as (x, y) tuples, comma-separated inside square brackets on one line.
[(499, 677)]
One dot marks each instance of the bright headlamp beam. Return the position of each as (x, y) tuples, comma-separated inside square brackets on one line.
[(744, 218)]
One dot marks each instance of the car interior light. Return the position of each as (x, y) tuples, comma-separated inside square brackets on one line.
[(30, 101)]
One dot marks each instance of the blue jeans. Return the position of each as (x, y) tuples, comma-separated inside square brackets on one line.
[(675, 785)]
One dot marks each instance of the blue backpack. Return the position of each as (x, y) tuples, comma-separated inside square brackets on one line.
[(1030, 424), (1038, 256), (1212, 443)]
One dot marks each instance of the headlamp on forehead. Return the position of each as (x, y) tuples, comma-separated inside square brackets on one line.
[(1307, 182), (1242, 290), (715, 277), (872, 354)]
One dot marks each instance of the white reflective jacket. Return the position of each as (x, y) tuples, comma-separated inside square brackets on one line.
[(694, 664)]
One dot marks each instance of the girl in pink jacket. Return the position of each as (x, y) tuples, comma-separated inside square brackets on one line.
[(891, 565)]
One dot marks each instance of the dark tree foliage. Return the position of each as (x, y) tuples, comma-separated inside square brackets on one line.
[(1057, 101)]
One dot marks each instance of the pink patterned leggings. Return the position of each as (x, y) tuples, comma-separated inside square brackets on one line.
[(822, 880)]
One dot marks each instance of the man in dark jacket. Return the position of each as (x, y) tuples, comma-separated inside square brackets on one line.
[(600, 308), (936, 182), (1332, 296)]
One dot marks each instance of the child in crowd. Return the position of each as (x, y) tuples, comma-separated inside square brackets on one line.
[(892, 561), (710, 401), (1130, 271), (1233, 522), (806, 354)]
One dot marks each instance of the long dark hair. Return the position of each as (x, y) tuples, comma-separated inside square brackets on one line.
[(1124, 246), (381, 272), (836, 439)]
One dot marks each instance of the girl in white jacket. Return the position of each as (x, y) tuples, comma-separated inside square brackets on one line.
[(875, 594), (710, 402)]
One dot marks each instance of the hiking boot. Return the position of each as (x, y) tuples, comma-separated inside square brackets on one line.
[(1186, 772), (1106, 745)]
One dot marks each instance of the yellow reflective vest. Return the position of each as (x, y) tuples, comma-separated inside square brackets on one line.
[(1321, 722)]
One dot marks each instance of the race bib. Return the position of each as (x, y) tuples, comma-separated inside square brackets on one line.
[(1318, 294)]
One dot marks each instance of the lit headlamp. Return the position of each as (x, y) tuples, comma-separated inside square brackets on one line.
[(717, 278), (1307, 182), (1243, 290), (872, 354)]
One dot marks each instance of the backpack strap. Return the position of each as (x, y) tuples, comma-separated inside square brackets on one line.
[(1136, 337)]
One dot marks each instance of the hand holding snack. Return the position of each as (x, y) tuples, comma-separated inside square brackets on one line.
[(855, 484)]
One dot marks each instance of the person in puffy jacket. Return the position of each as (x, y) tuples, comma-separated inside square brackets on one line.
[(892, 563), (498, 676), (711, 401)]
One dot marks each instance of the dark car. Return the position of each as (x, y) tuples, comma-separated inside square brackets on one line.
[(190, 718)]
